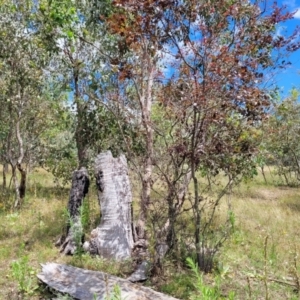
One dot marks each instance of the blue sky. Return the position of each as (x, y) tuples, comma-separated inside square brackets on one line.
[(284, 79), (290, 77)]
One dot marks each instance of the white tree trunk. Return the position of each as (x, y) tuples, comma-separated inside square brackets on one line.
[(113, 237)]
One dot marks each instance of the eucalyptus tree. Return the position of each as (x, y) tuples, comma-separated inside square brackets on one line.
[(81, 67), (81, 50), (56, 151), (21, 76), (281, 138)]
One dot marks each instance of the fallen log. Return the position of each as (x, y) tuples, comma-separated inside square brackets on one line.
[(85, 284)]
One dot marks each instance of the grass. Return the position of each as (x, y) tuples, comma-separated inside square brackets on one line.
[(33, 230), (246, 264), (263, 211)]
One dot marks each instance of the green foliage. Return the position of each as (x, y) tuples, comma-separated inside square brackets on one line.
[(78, 227), (232, 220), (240, 255), (85, 214), (76, 230), (56, 19), (205, 292), (179, 286), (115, 294), (281, 144), (65, 80), (105, 129), (117, 268), (61, 161), (24, 274)]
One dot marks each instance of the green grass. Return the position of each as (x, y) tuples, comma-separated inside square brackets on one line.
[(261, 210)]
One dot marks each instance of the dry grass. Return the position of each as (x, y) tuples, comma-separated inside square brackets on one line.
[(260, 210), (263, 211), (31, 231)]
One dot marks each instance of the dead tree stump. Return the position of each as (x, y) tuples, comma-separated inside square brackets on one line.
[(73, 238), (113, 237)]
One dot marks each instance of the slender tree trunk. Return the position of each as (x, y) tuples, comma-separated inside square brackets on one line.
[(80, 135), (196, 208), (4, 172), (170, 239), (22, 186), (73, 238), (177, 194), (285, 177), (113, 237), (166, 239), (146, 184), (80, 107), (16, 186), (146, 106), (263, 173), (20, 190)]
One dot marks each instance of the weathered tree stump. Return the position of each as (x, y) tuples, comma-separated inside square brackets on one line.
[(113, 237), (87, 285), (73, 237)]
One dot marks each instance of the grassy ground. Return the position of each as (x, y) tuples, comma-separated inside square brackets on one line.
[(259, 261), (263, 252)]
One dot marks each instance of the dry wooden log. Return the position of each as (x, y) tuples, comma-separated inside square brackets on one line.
[(85, 284)]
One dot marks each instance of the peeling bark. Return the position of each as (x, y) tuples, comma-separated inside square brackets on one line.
[(87, 285), (113, 237)]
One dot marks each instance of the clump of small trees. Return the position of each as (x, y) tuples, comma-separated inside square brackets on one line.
[(280, 144), (176, 86)]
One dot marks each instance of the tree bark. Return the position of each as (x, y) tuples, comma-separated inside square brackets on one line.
[(20, 194), (166, 235), (4, 172), (80, 133), (87, 285), (17, 203), (73, 238), (113, 237), (263, 173), (146, 106), (22, 186)]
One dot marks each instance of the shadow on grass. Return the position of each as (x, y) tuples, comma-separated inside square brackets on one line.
[(40, 228), (292, 203), (286, 187), (39, 191), (7, 197), (48, 228), (295, 206)]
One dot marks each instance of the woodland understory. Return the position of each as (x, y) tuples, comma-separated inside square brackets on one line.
[(183, 94)]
